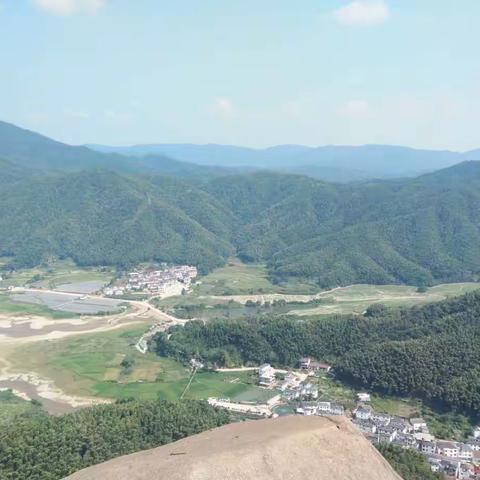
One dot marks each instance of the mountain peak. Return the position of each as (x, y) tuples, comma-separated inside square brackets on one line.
[(289, 447)]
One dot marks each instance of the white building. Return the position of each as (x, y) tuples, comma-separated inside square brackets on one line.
[(363, 397), (304, 363), (382, 418), (465, 452), (266, 375), (424, 437), (448, 449), (324, 407), (418, 424), (363, 413), (428, 448)]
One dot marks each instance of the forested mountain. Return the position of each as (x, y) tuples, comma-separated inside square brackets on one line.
[(33, 151), (419, 231), (105, 218), (10, 172), (431, 352), (55, 201), (50, 448)]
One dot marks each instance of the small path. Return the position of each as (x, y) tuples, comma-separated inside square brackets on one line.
[(185, 390)]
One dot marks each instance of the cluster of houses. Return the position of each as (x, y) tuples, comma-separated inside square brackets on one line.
[(459, 460), (295, 387), (163, 280), (313, 366), (320, 408), (453, 459)]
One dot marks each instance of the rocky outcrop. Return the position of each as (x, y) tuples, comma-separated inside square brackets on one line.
[(303, 448)]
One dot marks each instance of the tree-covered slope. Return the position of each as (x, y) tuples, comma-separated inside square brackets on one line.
[(104, 218), (418, 231), (411, 465), (33, 151), (431, 352), (50, 448)]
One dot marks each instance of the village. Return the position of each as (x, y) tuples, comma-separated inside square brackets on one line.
[(456, 460), (163, 281)]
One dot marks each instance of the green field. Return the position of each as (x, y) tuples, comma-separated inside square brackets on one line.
[(403, 407), (92, 365), (354, 299), (12, 406), (335, 391), (357, 298), (238, 278), (211, 308)]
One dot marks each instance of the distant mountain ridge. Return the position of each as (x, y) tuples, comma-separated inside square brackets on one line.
[(112, 209), (334, 163), (341, 164), (31, 150)]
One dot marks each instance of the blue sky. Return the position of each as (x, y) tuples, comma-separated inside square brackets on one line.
[(249, 72)]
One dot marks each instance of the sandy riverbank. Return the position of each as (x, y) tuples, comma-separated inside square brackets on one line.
[(29, 386)]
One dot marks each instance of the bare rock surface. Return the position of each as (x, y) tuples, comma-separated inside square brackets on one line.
[(288, 448)]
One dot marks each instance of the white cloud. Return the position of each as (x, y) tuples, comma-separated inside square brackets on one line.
[(77, 114), (363, 12), (223, 107), (356, 109), (70, 7)]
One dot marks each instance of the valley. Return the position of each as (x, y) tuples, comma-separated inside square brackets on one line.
[(66, 359), (239, 239)]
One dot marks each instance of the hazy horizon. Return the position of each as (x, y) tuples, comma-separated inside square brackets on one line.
[(324, 73)]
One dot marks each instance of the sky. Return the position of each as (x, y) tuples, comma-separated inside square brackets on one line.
[(245, 72)]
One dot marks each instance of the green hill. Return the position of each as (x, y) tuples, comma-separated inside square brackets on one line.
[(105, 208), (419, 231), (105, 218)]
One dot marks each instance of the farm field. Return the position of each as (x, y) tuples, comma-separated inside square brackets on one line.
[(60, 273), (357, 298), (91, 365), (60, 302), (10, 307), (210, 308), (238, 278), (354, 299)]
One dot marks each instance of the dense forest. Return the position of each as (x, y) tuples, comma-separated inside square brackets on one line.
[(431, 352), (418, 231), (410, 465), (50, 448)]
